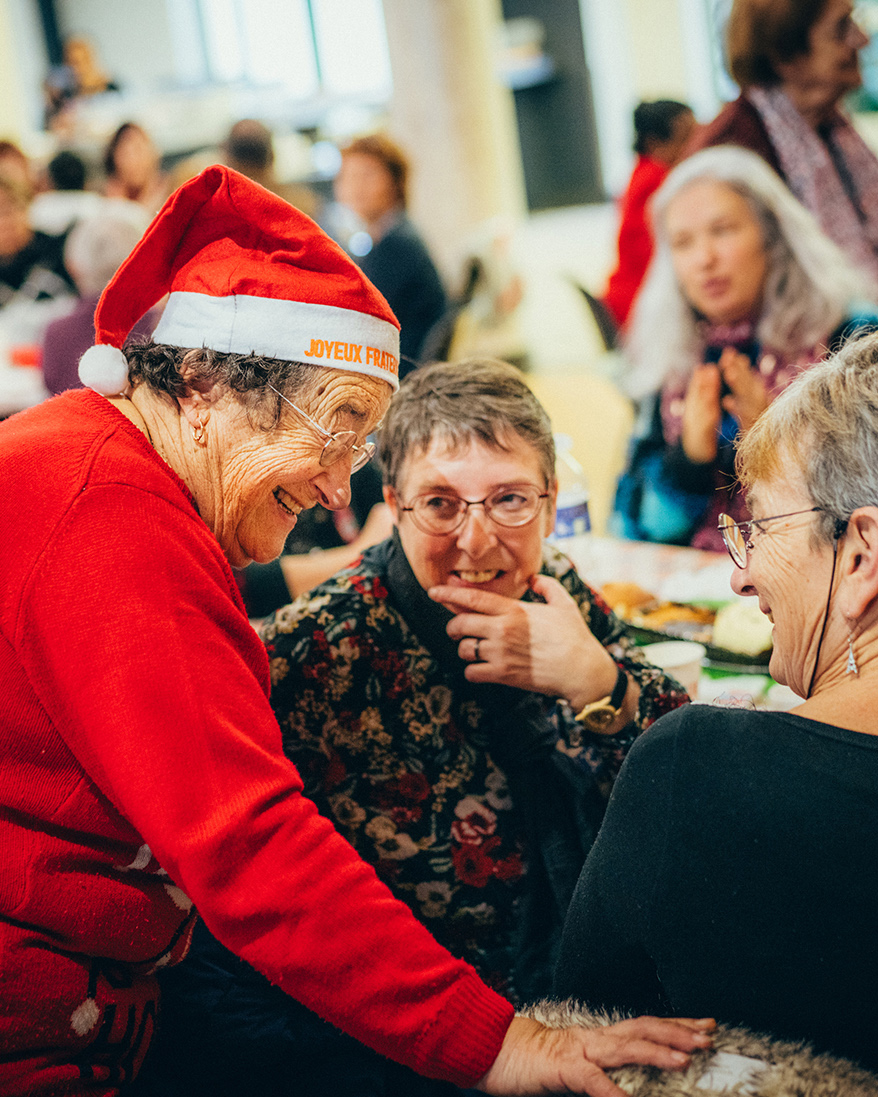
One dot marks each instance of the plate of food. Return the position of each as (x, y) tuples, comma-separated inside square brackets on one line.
[(735, 633)]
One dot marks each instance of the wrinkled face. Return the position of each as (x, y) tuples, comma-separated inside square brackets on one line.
[(789, 573), (480, 553), (717, 251), (832, 64), (259, 482), (15, 231), (365, 186)]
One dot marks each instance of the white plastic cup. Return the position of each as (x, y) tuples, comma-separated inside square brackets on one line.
[(680, 658)]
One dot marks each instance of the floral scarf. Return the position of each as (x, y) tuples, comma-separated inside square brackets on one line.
[(559, 806)]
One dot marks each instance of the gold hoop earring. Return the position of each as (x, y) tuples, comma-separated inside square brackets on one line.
[(198, 431)]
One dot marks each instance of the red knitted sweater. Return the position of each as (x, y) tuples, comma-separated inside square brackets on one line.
[(141, 772)]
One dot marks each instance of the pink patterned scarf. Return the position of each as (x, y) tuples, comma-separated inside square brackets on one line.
[(813, 177)]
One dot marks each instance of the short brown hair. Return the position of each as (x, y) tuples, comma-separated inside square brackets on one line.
[(476, 399), (389, 154), (761, 32)]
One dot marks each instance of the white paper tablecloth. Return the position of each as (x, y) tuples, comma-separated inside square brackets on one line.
[(670, 572), (677, 574), (20, 387)]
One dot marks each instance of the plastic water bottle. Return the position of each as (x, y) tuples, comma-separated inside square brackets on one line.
[(571, 518)]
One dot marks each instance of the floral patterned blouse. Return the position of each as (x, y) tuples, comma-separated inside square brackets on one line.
[(404, 755)]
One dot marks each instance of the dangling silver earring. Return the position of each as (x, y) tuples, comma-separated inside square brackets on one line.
[(852, 667)]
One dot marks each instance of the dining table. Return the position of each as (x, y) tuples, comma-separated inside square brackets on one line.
[(21, 378), (676, 573)]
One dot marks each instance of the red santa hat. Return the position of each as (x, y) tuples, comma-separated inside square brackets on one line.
[(247, 274)]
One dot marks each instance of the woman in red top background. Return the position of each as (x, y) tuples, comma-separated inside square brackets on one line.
[(661, 129)]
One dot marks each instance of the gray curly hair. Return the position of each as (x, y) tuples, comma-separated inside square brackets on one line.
[(171, 372), (825, 425)]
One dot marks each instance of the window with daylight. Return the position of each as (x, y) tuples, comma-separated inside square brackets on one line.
[(309, 48)]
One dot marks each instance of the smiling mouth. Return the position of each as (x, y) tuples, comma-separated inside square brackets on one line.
[(286, 502), (484, 576)]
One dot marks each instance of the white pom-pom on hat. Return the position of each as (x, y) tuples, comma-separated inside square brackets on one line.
[(104, 369)]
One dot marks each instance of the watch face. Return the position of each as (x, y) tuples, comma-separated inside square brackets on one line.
[(600, 718)]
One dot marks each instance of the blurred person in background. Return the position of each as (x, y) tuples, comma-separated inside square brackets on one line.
[(64, 198), (15, 165), (80, 77), (93, 251), (35, 285), (132, 166), (661, 128), (87, 72), (743, 293), (794, 61), (373, 183), (249, 149)]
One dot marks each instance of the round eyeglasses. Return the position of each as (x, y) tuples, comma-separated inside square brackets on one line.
[(738, 536), (439, 513), (337, 445)]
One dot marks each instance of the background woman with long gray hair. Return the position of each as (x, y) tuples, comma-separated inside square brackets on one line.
[(744, 292)]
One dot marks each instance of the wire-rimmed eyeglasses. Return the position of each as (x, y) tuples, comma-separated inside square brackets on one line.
[(438, 513), (738, 536), (337, 445), (740, 545)]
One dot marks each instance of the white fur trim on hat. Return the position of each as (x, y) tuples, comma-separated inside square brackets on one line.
[(104, 369), (295, 331)]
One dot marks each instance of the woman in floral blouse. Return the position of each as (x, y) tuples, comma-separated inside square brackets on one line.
[(458, 702)]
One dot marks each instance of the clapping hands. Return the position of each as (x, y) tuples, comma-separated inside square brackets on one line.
[(704, 403)]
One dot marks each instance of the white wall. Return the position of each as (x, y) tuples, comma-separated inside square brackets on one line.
[(132, 37), (22, 70), (610, 61), (456, 121), (643, 49), (700, 56)]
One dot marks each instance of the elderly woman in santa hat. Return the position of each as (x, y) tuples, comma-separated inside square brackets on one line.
[(141, 770)]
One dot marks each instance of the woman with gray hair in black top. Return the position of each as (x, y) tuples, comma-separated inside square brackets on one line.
[(735, 869)]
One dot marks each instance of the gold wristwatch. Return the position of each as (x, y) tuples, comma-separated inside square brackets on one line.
[(598, 715)]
